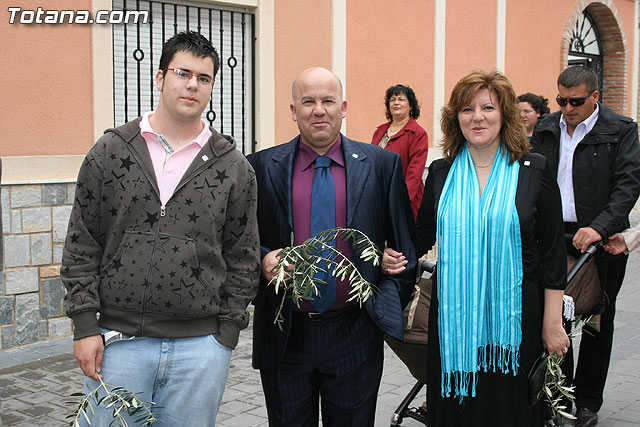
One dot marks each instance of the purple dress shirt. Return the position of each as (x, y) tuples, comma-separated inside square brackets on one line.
[(302, 183)]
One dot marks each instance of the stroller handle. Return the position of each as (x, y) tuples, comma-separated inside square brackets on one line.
[(427, 266), (584, 258)]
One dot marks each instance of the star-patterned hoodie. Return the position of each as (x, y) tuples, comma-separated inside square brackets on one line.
[(188, 268)]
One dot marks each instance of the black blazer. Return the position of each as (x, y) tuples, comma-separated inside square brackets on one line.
[(377, 204)]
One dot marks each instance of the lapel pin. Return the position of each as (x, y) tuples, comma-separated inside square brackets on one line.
[(354, 155), (527, 162), (205, 158)]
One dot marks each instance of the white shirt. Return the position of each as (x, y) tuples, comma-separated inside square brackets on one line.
[(568, 146)]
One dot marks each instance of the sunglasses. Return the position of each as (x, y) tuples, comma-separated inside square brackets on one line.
[(576, 102)]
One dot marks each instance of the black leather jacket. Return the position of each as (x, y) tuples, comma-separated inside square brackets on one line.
[(606, 168)]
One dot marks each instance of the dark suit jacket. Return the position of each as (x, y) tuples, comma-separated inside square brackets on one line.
[(377, 204)]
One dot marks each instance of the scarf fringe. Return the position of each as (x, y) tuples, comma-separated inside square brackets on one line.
[(495, 357), (460, 382), (492, 358)]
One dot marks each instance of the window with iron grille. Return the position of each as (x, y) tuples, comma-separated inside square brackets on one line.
[(136, 56), (585, 47)]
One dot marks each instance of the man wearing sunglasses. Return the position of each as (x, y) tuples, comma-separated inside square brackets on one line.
[(596, 155), (163, 244)]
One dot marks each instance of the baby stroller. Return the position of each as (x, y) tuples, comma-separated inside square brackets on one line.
[(413, 350)]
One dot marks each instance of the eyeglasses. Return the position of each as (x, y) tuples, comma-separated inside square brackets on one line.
[(185, 75), (576, 102), (527, 111)]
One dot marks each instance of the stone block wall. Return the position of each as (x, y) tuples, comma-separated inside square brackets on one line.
[(34, 226)]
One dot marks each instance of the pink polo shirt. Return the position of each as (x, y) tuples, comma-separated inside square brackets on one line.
[(170, 167)]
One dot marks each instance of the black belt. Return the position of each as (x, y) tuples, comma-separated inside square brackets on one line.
[(327, 315)]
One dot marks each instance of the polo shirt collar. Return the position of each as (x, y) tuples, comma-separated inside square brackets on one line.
[(201, 139)]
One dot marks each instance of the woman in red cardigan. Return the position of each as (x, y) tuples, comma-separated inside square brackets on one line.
[(403, 135)]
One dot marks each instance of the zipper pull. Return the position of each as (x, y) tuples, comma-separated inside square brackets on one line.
[(162, 211)]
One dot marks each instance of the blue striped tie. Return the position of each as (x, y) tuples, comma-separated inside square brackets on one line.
[(323, 217)]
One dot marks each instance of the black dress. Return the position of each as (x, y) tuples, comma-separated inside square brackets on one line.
[(502, 400)]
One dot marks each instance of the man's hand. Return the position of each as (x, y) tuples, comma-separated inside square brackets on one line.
[(393, 262), (269, 263), (88, 351), (584, 237), (616, 244)]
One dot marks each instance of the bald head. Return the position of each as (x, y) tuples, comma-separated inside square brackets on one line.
[(315, 73), (318, 108)]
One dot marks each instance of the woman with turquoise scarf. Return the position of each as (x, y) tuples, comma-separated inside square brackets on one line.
[(494, 211)]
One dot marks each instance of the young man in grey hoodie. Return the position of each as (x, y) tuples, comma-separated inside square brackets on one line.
[(162, 257)]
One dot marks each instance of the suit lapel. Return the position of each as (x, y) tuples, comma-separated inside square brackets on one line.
[(357, 170), (281, 173)]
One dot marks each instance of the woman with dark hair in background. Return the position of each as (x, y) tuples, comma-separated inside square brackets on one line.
[(532, 107), (403, 135)]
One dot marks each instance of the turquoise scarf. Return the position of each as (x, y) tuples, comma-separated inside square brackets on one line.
[(479, 273)]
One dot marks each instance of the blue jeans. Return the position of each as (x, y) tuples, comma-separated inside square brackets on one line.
[(185, 377)]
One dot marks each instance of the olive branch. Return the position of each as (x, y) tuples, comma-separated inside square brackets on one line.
[(121, 400), (554, 388), (297, 266)]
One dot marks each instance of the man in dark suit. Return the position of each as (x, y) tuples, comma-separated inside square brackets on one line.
[(334, 352)]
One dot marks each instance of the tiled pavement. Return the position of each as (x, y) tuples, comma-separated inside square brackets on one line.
[(36, 380)]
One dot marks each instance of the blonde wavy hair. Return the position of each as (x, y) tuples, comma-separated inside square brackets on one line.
[(512, 132)]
